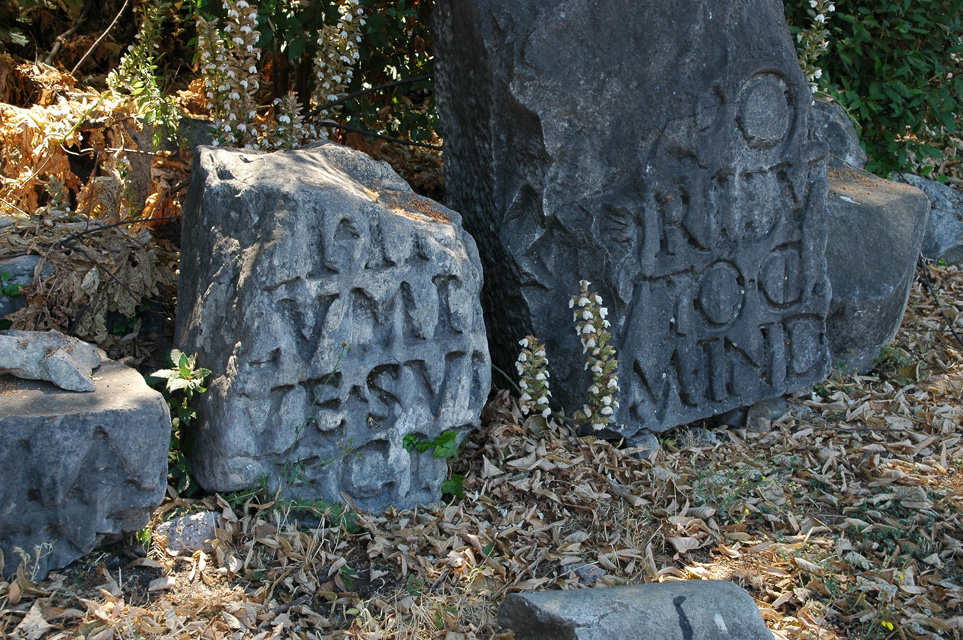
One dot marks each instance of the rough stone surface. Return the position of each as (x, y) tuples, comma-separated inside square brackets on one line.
[(683, 610), (21, 271), (190, 533), (661, 153), (832, 126), (645, 441), (49, 355), (76, 469), (587, 574), (285, 258), (944, 233), (876, 228)]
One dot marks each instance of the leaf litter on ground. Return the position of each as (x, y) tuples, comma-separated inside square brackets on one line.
[(843, 521)]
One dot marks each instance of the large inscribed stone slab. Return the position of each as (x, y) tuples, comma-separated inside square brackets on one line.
[(659, 150), (288, 256)]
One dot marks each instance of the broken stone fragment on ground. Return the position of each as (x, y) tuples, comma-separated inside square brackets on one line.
[(876, 230), (190, 533), (78, 469), (678, 610), (49, 355), (944, 233)]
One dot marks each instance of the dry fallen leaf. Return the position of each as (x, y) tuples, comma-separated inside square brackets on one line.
[(162, 584), (33, 626)]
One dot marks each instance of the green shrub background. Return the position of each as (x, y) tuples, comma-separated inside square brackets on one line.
[(897, 68)]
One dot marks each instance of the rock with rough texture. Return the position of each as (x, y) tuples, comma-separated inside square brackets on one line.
[(49, 355), (661, 153), (285, 258), (876, 229), (76, 469), (944, 233), (833, 126), (190, 533), (683, 610), (19, 271)]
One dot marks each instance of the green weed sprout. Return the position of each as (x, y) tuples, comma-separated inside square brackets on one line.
[(181, 382)]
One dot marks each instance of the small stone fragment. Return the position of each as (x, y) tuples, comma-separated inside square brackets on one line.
[(18, 271), (833, 126), (646, 442), (944, 232), (50, 355), (588, 574), (759, 418), (190, 533), (682, 610)]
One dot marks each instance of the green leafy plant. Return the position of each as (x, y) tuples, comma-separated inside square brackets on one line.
[(320, 51), (443, 446), (144, 537), (180, 383), (728, 490), (8, 287), (812, 41), (414, 585), (897, 67), (348, 576), (136, 75)]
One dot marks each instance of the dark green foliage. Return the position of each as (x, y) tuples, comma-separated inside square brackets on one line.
[(443, 446), (8, 287), (897, 67), (396, 44)]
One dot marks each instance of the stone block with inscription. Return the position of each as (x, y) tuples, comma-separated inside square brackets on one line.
[(660, 151), (288, 256)]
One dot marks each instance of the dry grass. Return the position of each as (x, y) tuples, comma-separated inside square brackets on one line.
[(843, 521)]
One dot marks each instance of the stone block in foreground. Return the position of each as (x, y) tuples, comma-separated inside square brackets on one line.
[(683, 610), (77, 469), (662, 153), (876, 230), (288, 256)]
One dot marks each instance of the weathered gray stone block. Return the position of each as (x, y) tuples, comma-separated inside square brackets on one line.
[(663, 154), (21, 272), (944, 232), (832, 126), (683, 610), (285, 258), (876, 229), (76, 469), (49, 355)]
